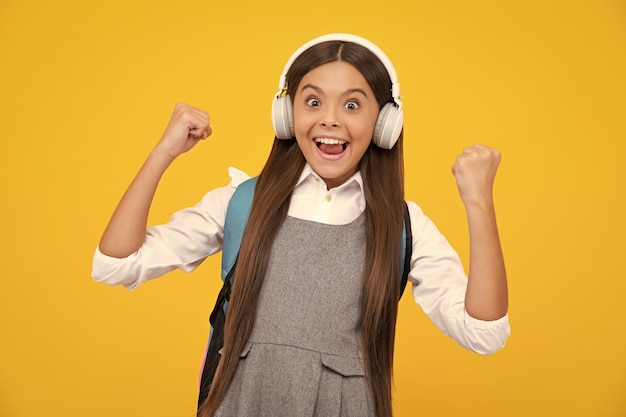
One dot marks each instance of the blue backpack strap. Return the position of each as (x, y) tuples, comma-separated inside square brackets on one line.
[(237, 215), (407, 249)]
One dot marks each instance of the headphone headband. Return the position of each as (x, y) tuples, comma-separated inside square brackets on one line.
[(346, 37)]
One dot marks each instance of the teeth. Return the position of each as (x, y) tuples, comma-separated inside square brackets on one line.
[(330, 141)]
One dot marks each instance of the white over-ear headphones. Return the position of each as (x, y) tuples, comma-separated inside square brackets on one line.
[(389, 123)]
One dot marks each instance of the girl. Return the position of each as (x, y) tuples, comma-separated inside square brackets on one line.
[(311, 322)]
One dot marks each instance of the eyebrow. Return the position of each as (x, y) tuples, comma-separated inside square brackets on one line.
[(345, 93)]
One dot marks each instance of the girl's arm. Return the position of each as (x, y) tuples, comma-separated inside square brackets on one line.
[(487, 294), (126, 230)]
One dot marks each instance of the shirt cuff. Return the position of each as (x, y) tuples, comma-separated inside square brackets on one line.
[(104, 270), (487, 336)]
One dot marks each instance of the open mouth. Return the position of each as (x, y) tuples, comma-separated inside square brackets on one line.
[(331, 146)]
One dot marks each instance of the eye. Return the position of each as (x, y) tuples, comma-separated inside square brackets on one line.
[(313, 102), (352, 105)]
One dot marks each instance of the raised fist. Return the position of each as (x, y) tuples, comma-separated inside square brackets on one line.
[(475, 171), (187, 126)]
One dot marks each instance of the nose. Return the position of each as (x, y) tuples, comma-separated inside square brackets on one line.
[(329, 118)]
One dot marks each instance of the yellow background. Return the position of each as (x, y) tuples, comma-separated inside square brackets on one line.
[(86, 88)]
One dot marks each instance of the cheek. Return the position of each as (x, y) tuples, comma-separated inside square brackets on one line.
[(365, 127), (302, 122), (296, 115)]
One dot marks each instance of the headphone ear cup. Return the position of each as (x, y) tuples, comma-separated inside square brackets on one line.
[(388, 126), (282, 117)]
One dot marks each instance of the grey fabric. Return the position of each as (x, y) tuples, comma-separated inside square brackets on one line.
[(303, 357)]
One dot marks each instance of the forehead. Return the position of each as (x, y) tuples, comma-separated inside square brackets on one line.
[(333, 76)]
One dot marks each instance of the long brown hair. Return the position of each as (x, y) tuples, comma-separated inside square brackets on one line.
[(383, 178)]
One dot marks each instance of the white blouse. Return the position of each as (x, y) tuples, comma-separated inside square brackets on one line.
[(192, 234)]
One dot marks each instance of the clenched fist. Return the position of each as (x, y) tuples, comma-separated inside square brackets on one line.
[(187, 126), (475, 171)]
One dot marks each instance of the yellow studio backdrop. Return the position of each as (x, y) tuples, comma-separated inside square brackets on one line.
[(86, 89)]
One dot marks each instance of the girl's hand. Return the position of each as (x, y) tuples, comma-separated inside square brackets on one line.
[(187, 126), (475, 171)]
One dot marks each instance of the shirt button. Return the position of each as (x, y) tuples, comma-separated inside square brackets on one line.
[(329, 197)]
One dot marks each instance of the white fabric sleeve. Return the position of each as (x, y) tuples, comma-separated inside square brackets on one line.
[(184, 242), (439, 284)]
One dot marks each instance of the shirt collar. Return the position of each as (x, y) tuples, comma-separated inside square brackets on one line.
[(309, 175)]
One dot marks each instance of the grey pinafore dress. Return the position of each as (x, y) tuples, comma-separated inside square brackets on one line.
[(304, 355)]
